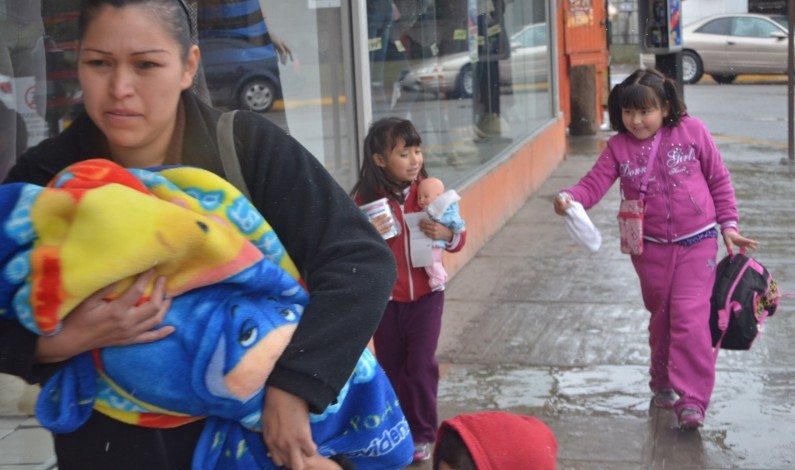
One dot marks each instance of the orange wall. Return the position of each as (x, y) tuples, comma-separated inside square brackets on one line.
[(488, 203), (582, 45)]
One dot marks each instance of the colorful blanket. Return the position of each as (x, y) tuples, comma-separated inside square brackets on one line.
[(237, 299)]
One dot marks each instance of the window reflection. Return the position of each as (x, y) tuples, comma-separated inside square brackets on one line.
[(240, 62), (431, 61), (295, 73), (472, 75), (23, 98)]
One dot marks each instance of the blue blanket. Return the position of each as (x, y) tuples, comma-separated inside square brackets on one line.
[(237, 299)]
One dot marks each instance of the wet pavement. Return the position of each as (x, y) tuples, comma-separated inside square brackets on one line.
[(536, 325)]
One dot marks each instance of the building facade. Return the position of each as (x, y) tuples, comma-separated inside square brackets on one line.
[(479, 79)]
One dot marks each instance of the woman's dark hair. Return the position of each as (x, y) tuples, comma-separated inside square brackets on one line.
[(645, 89), (452, 450), (173, 13), (382, 137)]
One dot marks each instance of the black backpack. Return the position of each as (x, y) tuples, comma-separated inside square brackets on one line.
[(744, 295)]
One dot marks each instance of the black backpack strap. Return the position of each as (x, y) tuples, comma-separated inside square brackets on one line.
[(226, 145)]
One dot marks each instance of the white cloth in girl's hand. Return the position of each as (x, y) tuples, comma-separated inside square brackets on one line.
[(581, 229)]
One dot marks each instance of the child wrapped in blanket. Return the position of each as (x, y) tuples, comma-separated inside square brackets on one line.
[(441, 206), (236, 299)]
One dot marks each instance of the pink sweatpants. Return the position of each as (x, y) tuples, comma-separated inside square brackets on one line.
[(676, 283)]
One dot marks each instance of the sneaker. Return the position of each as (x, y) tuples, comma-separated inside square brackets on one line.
[(422, 451), (665, 398), (690, 418)]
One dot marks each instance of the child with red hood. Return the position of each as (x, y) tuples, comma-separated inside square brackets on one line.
[(494, 440)]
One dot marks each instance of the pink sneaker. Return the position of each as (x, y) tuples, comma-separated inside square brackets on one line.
[(422, 451), (690, 418), (665, 398)]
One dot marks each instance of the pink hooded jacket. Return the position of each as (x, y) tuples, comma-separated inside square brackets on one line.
[(689, 189)]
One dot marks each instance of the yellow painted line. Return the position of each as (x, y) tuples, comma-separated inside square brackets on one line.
[(762, 78), (754, 78), (279, 105), (531, 86), (750, 141)]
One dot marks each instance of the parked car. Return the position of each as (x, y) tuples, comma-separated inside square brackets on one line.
[(453, 74), (239, 74), (728, 45)]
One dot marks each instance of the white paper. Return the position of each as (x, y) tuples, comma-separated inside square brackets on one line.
[(421, 244), (581, 229)]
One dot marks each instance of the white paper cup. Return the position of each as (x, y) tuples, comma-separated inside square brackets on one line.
[(376, 208)]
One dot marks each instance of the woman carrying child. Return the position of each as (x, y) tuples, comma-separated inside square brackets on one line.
[(689, 195), (136, 66), (406, 339)]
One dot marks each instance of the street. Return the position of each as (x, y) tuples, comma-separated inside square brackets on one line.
[(742, 111)]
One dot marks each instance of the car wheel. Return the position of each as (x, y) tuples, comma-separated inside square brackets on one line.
[(692, 68), (723, 79), (464, 83), (257, 95)]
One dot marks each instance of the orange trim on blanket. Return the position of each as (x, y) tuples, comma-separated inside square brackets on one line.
[(47, 294)]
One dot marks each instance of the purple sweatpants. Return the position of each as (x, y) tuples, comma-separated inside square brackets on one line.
[(676, 283), (405, 344)]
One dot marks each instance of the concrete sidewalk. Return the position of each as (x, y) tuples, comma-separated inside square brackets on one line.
[(536, 325)]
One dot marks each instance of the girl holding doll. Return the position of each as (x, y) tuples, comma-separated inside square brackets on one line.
[(406, 339)]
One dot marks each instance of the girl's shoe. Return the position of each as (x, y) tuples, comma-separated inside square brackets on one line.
[(690, 418), (665, 398), (422, 451)]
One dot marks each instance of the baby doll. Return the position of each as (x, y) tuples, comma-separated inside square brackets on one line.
[(441, 206)]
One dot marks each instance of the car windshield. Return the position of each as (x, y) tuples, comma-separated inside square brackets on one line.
[(782, 20), (532, 36)]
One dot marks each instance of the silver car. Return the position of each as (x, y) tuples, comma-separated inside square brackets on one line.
[(728, 45), (453, 74)]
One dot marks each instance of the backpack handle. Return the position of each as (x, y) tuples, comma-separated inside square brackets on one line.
[(730, 251)]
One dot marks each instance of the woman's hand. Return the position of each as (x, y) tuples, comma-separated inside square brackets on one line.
[(436, 231), (383, 223), (98, 323), (562, 202), (286, 431), (734, 239), (318, 462)]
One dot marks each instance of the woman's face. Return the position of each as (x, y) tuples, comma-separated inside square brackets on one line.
[(132, 72)]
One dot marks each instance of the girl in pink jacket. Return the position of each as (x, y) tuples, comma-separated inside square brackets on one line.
[(689, 198)]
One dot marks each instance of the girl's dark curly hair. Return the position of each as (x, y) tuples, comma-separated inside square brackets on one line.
[(645, 89), (374, 182)]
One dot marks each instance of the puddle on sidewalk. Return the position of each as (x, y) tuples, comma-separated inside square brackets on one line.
[(749, 423)]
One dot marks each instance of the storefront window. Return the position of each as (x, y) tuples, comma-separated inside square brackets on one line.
[(472, 75), (301, 85)]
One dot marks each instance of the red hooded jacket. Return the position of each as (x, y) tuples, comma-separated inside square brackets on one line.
[(497, 440)]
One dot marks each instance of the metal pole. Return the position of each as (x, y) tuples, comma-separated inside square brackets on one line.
[(791, 81)]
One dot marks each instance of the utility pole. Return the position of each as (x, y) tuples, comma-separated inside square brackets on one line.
[(791, 81)]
